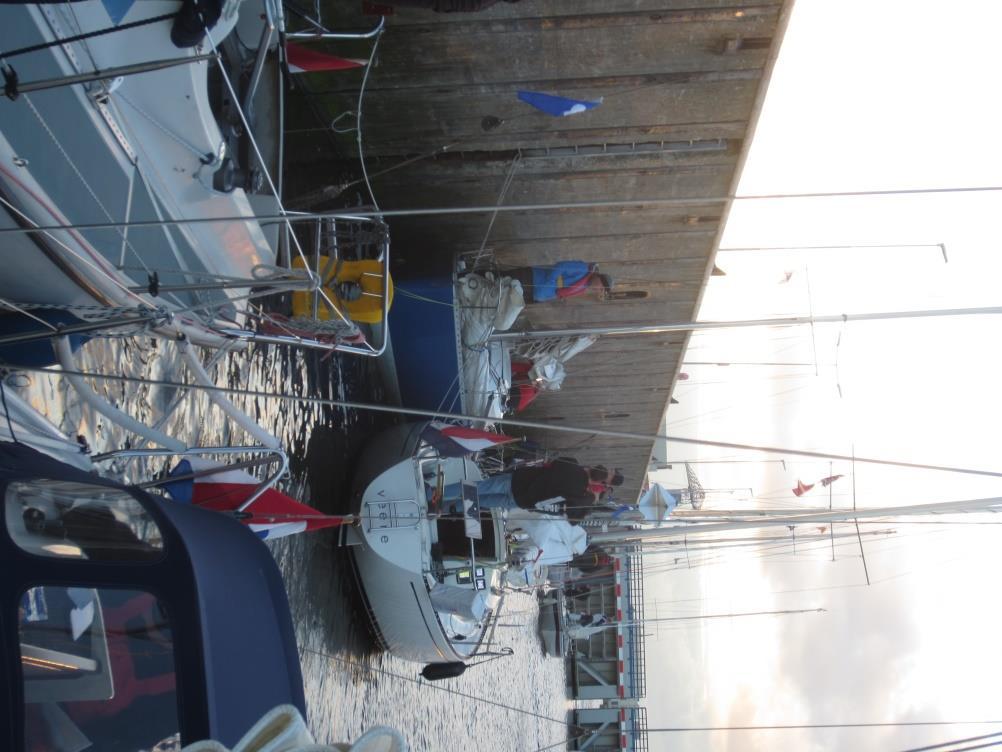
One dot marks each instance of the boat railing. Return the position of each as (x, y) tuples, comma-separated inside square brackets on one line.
[(153, 433), (327, 320), (164, 306), (273, 22), (299, 335), (317, 29), (484, 646)]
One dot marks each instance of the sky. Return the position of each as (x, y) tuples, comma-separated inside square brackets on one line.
[(867, 96)]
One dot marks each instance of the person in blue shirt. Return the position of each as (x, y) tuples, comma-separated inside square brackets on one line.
[(579, 486), (565, 279)]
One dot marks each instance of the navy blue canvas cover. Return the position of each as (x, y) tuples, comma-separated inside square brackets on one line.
[(235, 647)]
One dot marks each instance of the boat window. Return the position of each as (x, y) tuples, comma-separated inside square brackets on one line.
[(97, 670), (80, 520), (453, 542)]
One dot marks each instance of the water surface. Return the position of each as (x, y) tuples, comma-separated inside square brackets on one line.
[(515, 703)]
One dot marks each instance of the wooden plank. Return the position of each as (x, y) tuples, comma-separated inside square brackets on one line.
[(464, 232), (454, 118), (579, 14), (521, 133), (609, 43)]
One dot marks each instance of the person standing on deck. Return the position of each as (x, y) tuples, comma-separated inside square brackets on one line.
[(580, 487), (565, 279)]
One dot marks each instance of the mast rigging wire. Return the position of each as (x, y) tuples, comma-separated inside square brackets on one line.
[(796, 726), (509, 208), (373, 669), (515, 422), (940, 745)]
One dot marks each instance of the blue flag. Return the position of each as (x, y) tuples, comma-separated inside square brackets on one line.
[(556, 106), (117, 9)]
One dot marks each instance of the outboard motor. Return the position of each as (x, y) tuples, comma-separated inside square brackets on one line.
[(192, 21)]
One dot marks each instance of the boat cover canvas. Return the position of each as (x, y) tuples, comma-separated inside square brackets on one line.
[(283, 729), (558, 539), (486, 304), (549, 369), (463, 602)]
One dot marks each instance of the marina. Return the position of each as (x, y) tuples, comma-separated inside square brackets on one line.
[(378, 359), (344, 675)]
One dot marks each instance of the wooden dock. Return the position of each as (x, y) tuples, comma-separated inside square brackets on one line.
[(681, 85)]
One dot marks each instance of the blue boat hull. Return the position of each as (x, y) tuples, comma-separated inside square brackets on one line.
[(423, 333)]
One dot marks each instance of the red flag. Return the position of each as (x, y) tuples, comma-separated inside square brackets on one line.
[(802, 488), (458, 441), (271, 515), (825, 482), (304, 60), (526, 394)]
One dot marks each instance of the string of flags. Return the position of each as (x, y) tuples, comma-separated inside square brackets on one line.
[(803, 488), (271, 515), (304, 60), (451, 440), (555, 105)]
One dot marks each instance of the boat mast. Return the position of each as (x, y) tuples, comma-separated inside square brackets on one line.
[(677, 531), (692, 326), (678, 513), (785, 612), (671, 545), (507, 208)]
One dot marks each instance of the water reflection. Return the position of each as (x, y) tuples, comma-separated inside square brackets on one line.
[(349, 684)]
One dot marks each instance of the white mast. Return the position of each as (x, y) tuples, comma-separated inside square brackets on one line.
[(677, 531), (692, 326)]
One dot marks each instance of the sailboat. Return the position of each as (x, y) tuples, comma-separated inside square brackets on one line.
[(139, 623), (142, 160), (456, 323), (144, 146), (133, 179), (432, 581)]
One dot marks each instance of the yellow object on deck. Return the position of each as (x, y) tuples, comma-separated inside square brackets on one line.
[(368, 273)]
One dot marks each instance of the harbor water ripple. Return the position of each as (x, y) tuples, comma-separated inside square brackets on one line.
[(514, 703)]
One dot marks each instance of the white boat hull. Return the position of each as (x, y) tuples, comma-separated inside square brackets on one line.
[(393, 557), (133, 154), (399, 604)]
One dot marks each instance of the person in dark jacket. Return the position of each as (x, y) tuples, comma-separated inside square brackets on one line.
[(579, 486)]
